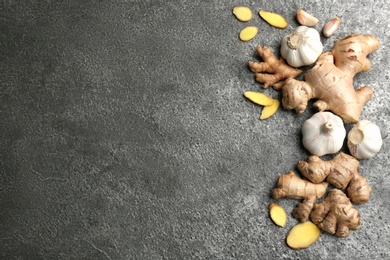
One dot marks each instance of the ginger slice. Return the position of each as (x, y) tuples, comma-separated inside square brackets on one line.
[(248, 33), (259, 98), (276, 20), (242, 13), (277, 214), (303, 235), (270, 110)]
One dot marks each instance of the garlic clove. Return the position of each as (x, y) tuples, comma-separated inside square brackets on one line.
[(331, 27), (323, 133), (364, 140), (304, 18)]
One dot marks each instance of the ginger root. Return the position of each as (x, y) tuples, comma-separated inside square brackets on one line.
[(341, 172), (330, 80), (276, 69), (336, 214), (291, 186), (277, 214), (303, 235)]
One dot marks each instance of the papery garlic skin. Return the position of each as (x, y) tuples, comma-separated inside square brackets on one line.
[(364, 140), (302, 47), (323, 133)]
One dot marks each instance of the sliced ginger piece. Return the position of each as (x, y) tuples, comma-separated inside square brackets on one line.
[(259, 98), (243, 13), (277, 214), (270, 110), (248, 33), (303, 235), (274, 19)]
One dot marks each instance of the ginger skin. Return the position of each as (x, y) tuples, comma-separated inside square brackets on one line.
[(336, 214), (341, 172), (291, 186), (330, 80)]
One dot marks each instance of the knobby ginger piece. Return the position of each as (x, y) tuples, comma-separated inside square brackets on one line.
[(303, 235), (269, 111), (248, 33), (291, 186), (242, 13), (271, 70), (336, 214), (342, 172), (277, 214), (276, 20), (259, 98)]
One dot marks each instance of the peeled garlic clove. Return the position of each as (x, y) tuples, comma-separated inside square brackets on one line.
[(364, 140), (304, 18), (331, 27), (323, 133)]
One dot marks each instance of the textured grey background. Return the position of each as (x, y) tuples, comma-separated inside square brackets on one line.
[(125, 135)]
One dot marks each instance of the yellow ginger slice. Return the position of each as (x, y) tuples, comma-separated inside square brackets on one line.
[(248, 33), (259, 98), (271, 105), (274, 19), (303, 235), (277, 214), (270, 110), (243, 13)]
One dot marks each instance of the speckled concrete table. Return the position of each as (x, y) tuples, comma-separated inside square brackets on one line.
[(125, 135)]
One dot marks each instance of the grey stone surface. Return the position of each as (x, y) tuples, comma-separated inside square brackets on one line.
[(125, 135)]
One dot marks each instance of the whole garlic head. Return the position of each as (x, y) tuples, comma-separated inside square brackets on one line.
[(301, 47), (364, 140), (323, 133)]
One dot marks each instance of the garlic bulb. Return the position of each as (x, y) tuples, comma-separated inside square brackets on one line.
[(364, 140), (323, 133), (302, 47)]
